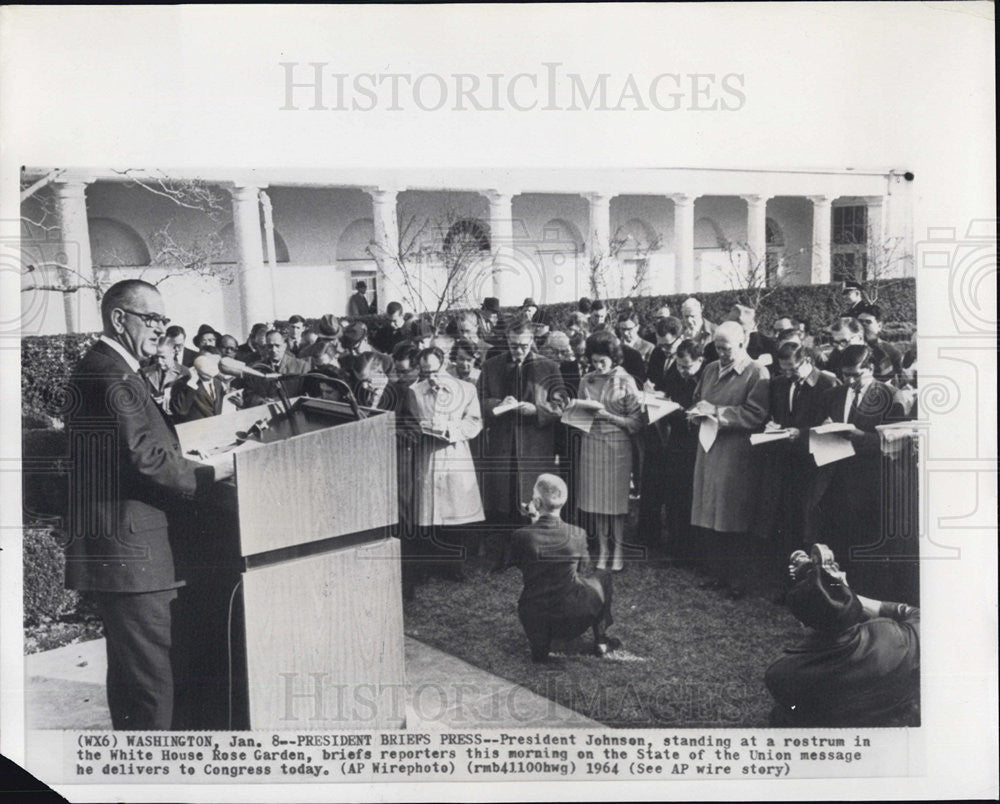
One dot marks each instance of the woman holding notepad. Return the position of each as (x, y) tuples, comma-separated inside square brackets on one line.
[(610, 403)]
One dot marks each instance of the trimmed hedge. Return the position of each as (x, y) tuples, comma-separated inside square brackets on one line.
[(47, 360), (45, 597), (46, 363), (817, 304)]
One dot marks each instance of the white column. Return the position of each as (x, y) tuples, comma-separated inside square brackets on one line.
[(83, 313), (684, 242), (822, 222), (757, 229), (391, 278), (598, 244), (501, 239), (878, 254), (254, 279)]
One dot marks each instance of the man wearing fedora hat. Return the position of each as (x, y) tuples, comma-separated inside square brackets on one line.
[(206, 336), (358, 305), (328, 330)]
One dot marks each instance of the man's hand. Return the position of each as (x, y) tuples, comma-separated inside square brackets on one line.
[(527, 408), (794, 433)]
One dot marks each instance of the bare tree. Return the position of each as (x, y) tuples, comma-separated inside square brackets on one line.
[(869, 258), (749, 275), (613, 278), (437, 260), (51, 270)]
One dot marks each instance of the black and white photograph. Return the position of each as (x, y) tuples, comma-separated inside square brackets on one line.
[(504, 410)]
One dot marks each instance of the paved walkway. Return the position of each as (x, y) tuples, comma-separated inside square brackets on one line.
[(65, 690)]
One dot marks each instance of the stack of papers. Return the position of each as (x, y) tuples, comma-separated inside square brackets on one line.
[(827, 443), (580, 413), (769, 435), (658, 406)]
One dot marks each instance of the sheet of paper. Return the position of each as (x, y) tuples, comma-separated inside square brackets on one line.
[(504, 407), (833, 427), (578, 416), (829, 447), (766, 437), (707, 432), (657, 407)]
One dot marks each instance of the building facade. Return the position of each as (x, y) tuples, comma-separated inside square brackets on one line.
[(234, 247)]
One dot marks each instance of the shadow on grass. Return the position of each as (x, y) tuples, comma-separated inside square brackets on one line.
[(690, 657)]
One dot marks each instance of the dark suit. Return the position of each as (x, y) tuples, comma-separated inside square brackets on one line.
[(557, 602), (357, 306), (634, 364), (660, 361), (130, 483), (519, 447), (387, 338), (668, 472), (188, 404), (788, 472), (852, 501)]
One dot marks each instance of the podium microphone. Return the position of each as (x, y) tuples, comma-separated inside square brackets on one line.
[(237, 368)]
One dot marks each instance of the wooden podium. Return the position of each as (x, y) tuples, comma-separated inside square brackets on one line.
[(304, 574)]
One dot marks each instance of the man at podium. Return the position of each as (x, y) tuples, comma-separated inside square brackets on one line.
[(131, 486)]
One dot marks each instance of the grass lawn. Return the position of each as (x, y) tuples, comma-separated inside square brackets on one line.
[(690, 657)]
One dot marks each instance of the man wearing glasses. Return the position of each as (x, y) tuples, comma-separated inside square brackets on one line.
[(130, 482), (845, 332)]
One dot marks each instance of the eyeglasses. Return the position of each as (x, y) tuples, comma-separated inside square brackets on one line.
[(149, 319), (841, 342)]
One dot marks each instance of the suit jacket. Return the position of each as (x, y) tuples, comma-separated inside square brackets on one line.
[(660, 361), (572, 372), (259, 390), (129, 479), (634, 364), (880, 404), (357, 305), (189, 402), (551, 555), (810, 401), (679, 437), (644, 348), (160, 381), (518, 444)]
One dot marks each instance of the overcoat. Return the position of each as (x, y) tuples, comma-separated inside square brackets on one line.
[(519, 447), (724, 477), (447, 492)]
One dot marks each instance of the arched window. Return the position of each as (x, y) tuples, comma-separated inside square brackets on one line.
[(355, 241), (465, 234), (114, 244), (708, 235)]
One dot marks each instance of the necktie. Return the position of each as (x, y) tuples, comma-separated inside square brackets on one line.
[(796, 390), (852, 414)]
